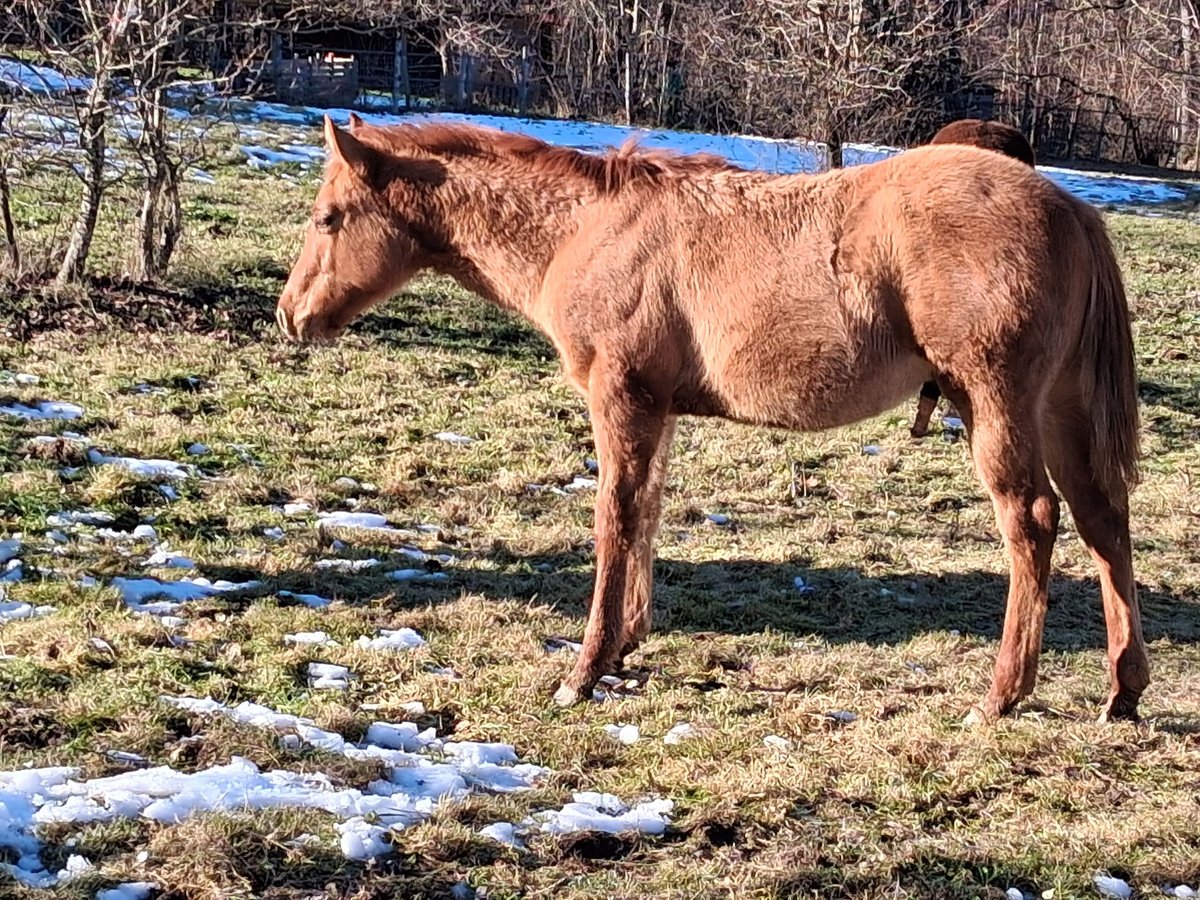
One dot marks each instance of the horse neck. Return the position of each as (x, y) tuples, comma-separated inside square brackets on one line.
[(503, 222)]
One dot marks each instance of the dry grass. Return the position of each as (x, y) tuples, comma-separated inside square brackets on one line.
[(901, 627)]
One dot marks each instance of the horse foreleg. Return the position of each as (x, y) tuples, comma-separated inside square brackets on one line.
[(629, 431)]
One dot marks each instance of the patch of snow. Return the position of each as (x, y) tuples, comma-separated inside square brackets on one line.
[(451, 437), (588, 811), (140, 533), (275, 533), (7, 377), (718, 518), (503, 833), (38, 79), (776, 742), (803, 587), (313, 600), (359, 520), (579, 483), (328, 677), (1014, 894), (679, 733), (842, 716), (13, 572), (144, 468), (43, 411), (400, 639), (130, 890), (346, 565), (10, 549), (418, 575), (137, 591), (197, 450), (555, 644), (319, 638), (626, 734), (1112, 887), (11, 611), (297, 508), (166, 558)]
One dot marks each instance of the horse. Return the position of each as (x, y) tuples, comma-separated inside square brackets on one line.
[(990, 136), (678, 285)]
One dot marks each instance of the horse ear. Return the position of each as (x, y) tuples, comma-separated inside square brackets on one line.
[(345, 146), (356, 123)]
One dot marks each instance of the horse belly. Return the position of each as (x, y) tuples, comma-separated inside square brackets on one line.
[(813, 387)]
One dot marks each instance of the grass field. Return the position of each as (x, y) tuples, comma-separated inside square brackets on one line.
[(900, 627)]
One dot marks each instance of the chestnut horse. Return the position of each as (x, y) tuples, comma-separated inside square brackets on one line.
[(990, 136), (676, 285)]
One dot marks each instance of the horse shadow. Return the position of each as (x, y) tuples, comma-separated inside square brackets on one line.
[(839, 605)]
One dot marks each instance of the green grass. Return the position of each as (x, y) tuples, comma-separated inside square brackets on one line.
[(901, 628)]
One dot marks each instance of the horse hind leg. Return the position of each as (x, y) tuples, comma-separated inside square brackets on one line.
[(926, 404), (1102, 519), (1010, 465)]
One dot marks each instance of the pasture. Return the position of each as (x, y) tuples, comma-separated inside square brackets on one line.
[(827, 608)]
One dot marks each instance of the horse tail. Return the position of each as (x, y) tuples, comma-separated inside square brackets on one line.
[(1108, 377)]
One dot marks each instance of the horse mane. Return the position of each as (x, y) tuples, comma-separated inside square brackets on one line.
[(610, 171)]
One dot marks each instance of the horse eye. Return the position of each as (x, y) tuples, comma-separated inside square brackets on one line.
[(327, 220)]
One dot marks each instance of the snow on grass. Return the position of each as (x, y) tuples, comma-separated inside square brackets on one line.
[(626, 734), (7, 377), (312, 600), (347, 565), (588, 811), (137, 592), (130, 890), (311, 638), (51, 409), (425, 772), (400, 639), (32, 79), (450, 437), (363, 521), (11, 611), (144, 468), (418, 575), (166, 558), (10, 549), (679, 733), (69, 518), (329, 677)]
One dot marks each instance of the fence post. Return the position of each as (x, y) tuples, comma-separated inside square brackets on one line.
[(400, 75), (523, 81)]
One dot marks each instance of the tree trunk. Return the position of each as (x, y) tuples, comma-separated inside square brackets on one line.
[(11, 251), (92, 142)]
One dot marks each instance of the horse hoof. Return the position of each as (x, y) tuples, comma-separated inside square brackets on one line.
[(567, 696), (1118, 709)]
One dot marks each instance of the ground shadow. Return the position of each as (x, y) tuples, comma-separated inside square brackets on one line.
[(840, 605)]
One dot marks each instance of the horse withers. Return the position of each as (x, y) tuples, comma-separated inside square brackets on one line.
[(681, 285)]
